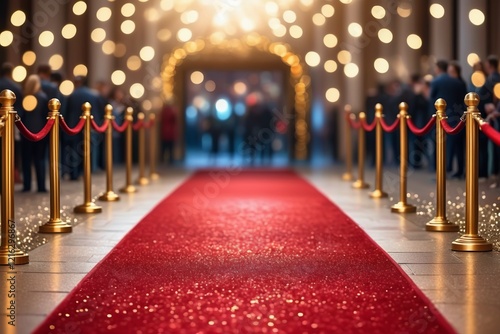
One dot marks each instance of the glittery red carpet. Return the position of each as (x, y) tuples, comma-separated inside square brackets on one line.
[(247, 252)]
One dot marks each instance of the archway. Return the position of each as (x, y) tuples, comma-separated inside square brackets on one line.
[(217, 45)]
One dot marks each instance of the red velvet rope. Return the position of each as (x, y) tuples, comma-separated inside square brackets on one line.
[(389, 128), (491, 133), (452, 131), (366, 126), (120, 128), (139, 124), (72, 131), (101, 128), (423, 131), (355, 125), (35, 136)]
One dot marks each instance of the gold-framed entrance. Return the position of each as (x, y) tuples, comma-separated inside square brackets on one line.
[(299, 80)]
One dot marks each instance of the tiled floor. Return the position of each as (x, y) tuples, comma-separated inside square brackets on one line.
[(464, 286)]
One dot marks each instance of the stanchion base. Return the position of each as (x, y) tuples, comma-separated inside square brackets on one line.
[(109, 196), (347, 177), (377, 193), (401, 207), (359, 184), (89, 207), (55, 226), (154, 176), (471, 243), (142, 181), (441, 224), (12, 258), (128, 189)]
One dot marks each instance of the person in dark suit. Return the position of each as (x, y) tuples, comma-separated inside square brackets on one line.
[(486, 96), (34, 153), (49, 88), (6, 82), (73, 152), (453, 91)]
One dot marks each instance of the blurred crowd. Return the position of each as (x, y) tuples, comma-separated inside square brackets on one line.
[(421, 93), (44, 85)]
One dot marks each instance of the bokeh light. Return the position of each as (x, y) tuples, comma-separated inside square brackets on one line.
[(473, 58), (147, 53), (355, 29), (478, 79), (80, 69), (19, 73), (332, 95), (6, 38), (436, 10), (318, 19), (118, 77), (18, 18), (313, 58), (46, 38), (344, 57), (197, 77), (103, 14), (351, 70), (414, 41), (68, 31), (29, 102), (136, 90), (134, 63), (127, 27), (98, 35), (378, 12), (56, 61), (66, 87), (385, 35), (29, 58), (330, 66), (327, 10), (289, 16), (381, 65), (296, 31), (79, 8), (184, 35), (476, 17), (330, 40), (128, 10)]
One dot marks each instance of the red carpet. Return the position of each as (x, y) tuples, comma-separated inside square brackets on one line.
[(255, 252)]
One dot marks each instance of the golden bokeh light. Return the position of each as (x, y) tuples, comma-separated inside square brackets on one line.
[(136, 90), (280, 31), (184, 35), (108, 47), (66, 87), (355, 29), (312, 58), (134, 63), (332, 95), (344, 57), (18, 18), (404, 9), (46, 38), (147, 105), (478, 79), (381, 65), (247, 24), (79, 8), (103, 14), (56, 61), (147, 53), (98, 35), (6, 38), (318, 19), (289, 16), (189, 17), (19, 73), (476, 17), (496, 90), (120, 50), (414, 41), (330, 40), (296, 31), (351, 70), (378, 12), (240, 88), (30, 102), (164, 35), (330, 66), (128, 9), (327, 10), (473, 58), (29, 58), (152, 14), (197, 77), (80, 70), (271, 8), (118, 77), (68, 31), (167, 5), (436, 10), (127, 27), (385, 35)]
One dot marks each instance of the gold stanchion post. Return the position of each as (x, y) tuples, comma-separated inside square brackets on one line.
[(347, 176), (471, 241), (55, 223), (88, 205), (109, 195), (153, 148), (9, 254), (360, 182), (129, 187), (379, 141), (440, 223), (142, 180), (402, 206)]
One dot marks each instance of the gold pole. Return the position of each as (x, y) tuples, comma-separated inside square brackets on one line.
[(55, 223), (128, 188), (347, 176), (360, 182), (88, 205), (153, 151), (471, 241), (9, 254), (378, 192), (109, 195), (403, 206), (440, 223), (143, 180)]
